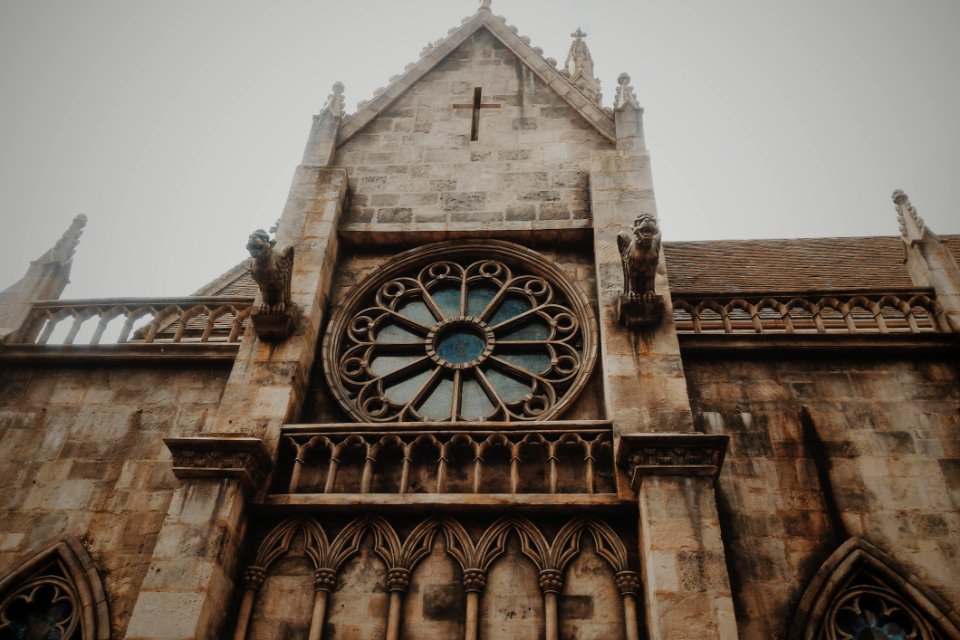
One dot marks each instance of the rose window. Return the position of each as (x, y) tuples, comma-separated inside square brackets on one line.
[(461, 331)]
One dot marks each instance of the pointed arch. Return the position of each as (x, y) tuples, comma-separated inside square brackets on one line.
[(66, 567), (859, 567)]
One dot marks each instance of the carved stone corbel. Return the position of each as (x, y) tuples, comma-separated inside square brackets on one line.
[(639, 306), (674, 454), (277, 317), (244, 459)]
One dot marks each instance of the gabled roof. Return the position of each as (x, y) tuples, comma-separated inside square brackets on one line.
[(600, 119)]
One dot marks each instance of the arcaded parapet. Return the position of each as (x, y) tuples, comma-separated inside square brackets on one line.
[(82, 455)]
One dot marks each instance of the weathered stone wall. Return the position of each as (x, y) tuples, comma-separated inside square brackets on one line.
[(354, 267), (81, 453), (824, 449), (416, 163)]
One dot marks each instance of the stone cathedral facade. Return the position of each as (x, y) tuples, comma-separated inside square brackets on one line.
[(464, 392)]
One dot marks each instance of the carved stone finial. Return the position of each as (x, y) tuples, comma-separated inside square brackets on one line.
[(324, 580), (336, 103), (579, 67), (67, 244), (912, 227), (272, 271), (625, 95), (640, 306), (485, 5)]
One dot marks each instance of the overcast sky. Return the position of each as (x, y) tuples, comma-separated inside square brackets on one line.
[(176, 125)]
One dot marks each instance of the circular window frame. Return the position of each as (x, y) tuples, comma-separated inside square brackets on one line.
[(527, 261)]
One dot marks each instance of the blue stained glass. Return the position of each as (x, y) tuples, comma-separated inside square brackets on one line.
[(474, 403), (439, 402), (461, 346), (532, 362), (532, 330), (402, 391), (509, 308), (448, 299), (478, 297), (383, 365), (392, 332), (418, 311), (507, 387)]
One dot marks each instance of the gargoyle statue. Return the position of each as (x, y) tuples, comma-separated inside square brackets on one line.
[(271, 271), (640, 252)]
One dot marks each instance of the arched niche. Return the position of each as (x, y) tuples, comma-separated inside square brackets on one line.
[(358, 604), (511, 605), (285, 599), (590, 603), (58, 586), (433, 605), (860, 588)]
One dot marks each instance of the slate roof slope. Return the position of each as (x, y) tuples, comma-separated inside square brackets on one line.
[(874, 262)]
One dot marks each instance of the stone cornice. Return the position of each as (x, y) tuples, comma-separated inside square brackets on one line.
[(217, 457), (671, 454)]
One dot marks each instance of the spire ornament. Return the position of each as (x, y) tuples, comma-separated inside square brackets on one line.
[(912, 227), (579, 67), (625, 95), (485, 5), (62, 252), (336, 103)]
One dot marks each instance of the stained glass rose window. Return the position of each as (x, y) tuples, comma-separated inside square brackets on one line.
[(461, 331)]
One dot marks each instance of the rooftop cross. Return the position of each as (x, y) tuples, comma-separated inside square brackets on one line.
[(578, 34)]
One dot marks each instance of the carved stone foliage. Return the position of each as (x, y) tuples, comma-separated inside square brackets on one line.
[(461, 331), (245, 459), (640, 306), (55, 594), (693, 454), (474, 555), (861, 592)]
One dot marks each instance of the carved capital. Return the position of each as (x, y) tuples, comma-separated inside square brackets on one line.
[(628, 582), (474, 580), (398, 579), (675, 454), (551, 581), (253, 577), (212, 457), (324, 580)]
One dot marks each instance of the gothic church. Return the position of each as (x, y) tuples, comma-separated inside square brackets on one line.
[(463, 390)]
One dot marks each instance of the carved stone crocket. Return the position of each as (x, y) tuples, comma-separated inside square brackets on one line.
[(271, 270), (640, 252)]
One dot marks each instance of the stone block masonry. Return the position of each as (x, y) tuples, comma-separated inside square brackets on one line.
[(416, 163)]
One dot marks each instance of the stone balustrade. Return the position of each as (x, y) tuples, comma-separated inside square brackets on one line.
[(811, 313), (447, 458), (135, 320)]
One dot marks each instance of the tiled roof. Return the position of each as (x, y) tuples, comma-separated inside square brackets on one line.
[(874, 262), (794, 264)]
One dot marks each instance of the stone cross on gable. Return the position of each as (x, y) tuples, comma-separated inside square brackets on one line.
[(578, 34)]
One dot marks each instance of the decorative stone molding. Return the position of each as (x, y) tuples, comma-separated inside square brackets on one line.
[(474, 580), (398, 579), (324, 580), (253, 577), (551, 581), (675, 454), (211, 457), (628, 582)]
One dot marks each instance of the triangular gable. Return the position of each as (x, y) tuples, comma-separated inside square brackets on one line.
[(594, 114)]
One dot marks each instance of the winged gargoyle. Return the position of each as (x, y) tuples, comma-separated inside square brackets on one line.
[(271, 270), (640, 252)]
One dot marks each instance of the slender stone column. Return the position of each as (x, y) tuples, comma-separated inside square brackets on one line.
[(252, 579), (628, 582), (474, 581), (551, 581), (323, 583), (398, 580)]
